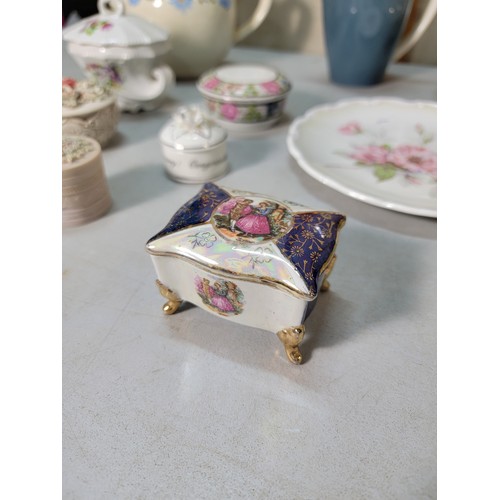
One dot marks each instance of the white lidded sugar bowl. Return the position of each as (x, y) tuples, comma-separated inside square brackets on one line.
[(194, 147), (125, 53)]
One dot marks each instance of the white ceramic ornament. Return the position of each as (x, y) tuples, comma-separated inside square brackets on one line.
[(194, 147)]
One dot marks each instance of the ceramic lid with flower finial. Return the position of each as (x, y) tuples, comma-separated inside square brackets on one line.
[(112, 28), (191, 130)]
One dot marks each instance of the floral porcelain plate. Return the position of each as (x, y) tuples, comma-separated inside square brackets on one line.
[(380, 151)]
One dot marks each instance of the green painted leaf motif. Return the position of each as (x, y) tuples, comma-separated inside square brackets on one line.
[(253, 114), (384, 172), (250, 91)]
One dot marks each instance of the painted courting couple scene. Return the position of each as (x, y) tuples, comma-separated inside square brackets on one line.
[(252, 220), (222, 296)]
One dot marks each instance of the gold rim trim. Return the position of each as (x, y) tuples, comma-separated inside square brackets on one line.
[(225, 273)]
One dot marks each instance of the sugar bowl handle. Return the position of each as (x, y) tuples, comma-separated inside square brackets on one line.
[(141, 88)]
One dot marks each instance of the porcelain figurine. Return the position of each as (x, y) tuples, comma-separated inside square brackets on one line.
[(248, 258), (125, 53), (89, 109), (194, 147)]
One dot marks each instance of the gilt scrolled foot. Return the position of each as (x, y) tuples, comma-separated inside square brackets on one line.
[(292, 338), (173, 300)]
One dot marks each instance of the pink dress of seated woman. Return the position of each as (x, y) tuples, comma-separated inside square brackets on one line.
[(215, 295), (257, 221), (234, 209), (219, 299)]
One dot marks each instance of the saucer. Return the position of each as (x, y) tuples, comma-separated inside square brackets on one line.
[(380, 151)]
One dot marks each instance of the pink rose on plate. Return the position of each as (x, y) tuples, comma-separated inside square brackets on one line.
[(415, 159), (229, 111), (271, 87), (351, 128), (212, 83), (371, 155)]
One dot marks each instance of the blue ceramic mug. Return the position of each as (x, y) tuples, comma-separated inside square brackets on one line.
[(362, 35)]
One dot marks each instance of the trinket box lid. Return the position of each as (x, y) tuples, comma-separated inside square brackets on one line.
[(252, 237), (190, 130), (111, 27), (84, 97), (244, 83)]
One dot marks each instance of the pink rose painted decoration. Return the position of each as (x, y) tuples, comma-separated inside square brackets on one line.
[(271, 87), (414, 161), (215, 86), (229, 111), (211, 83), (351, 128), (370, 155)]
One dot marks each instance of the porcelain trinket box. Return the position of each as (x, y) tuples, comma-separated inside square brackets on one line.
[(248, 258), (194, 147), (125, 53), (89, 109), (244, 97)]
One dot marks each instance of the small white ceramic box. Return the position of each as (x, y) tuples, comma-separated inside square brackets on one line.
[(248, 258), (194, 148)]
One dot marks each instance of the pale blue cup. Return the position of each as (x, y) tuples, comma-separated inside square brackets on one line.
[(361, 36)]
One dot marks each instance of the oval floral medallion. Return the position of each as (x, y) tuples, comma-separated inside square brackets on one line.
[(223, 297), (251, 219)]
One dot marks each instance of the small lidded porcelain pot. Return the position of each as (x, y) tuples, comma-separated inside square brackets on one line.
[(89, 109), (244, 97), (123, 52), (194, 148)]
